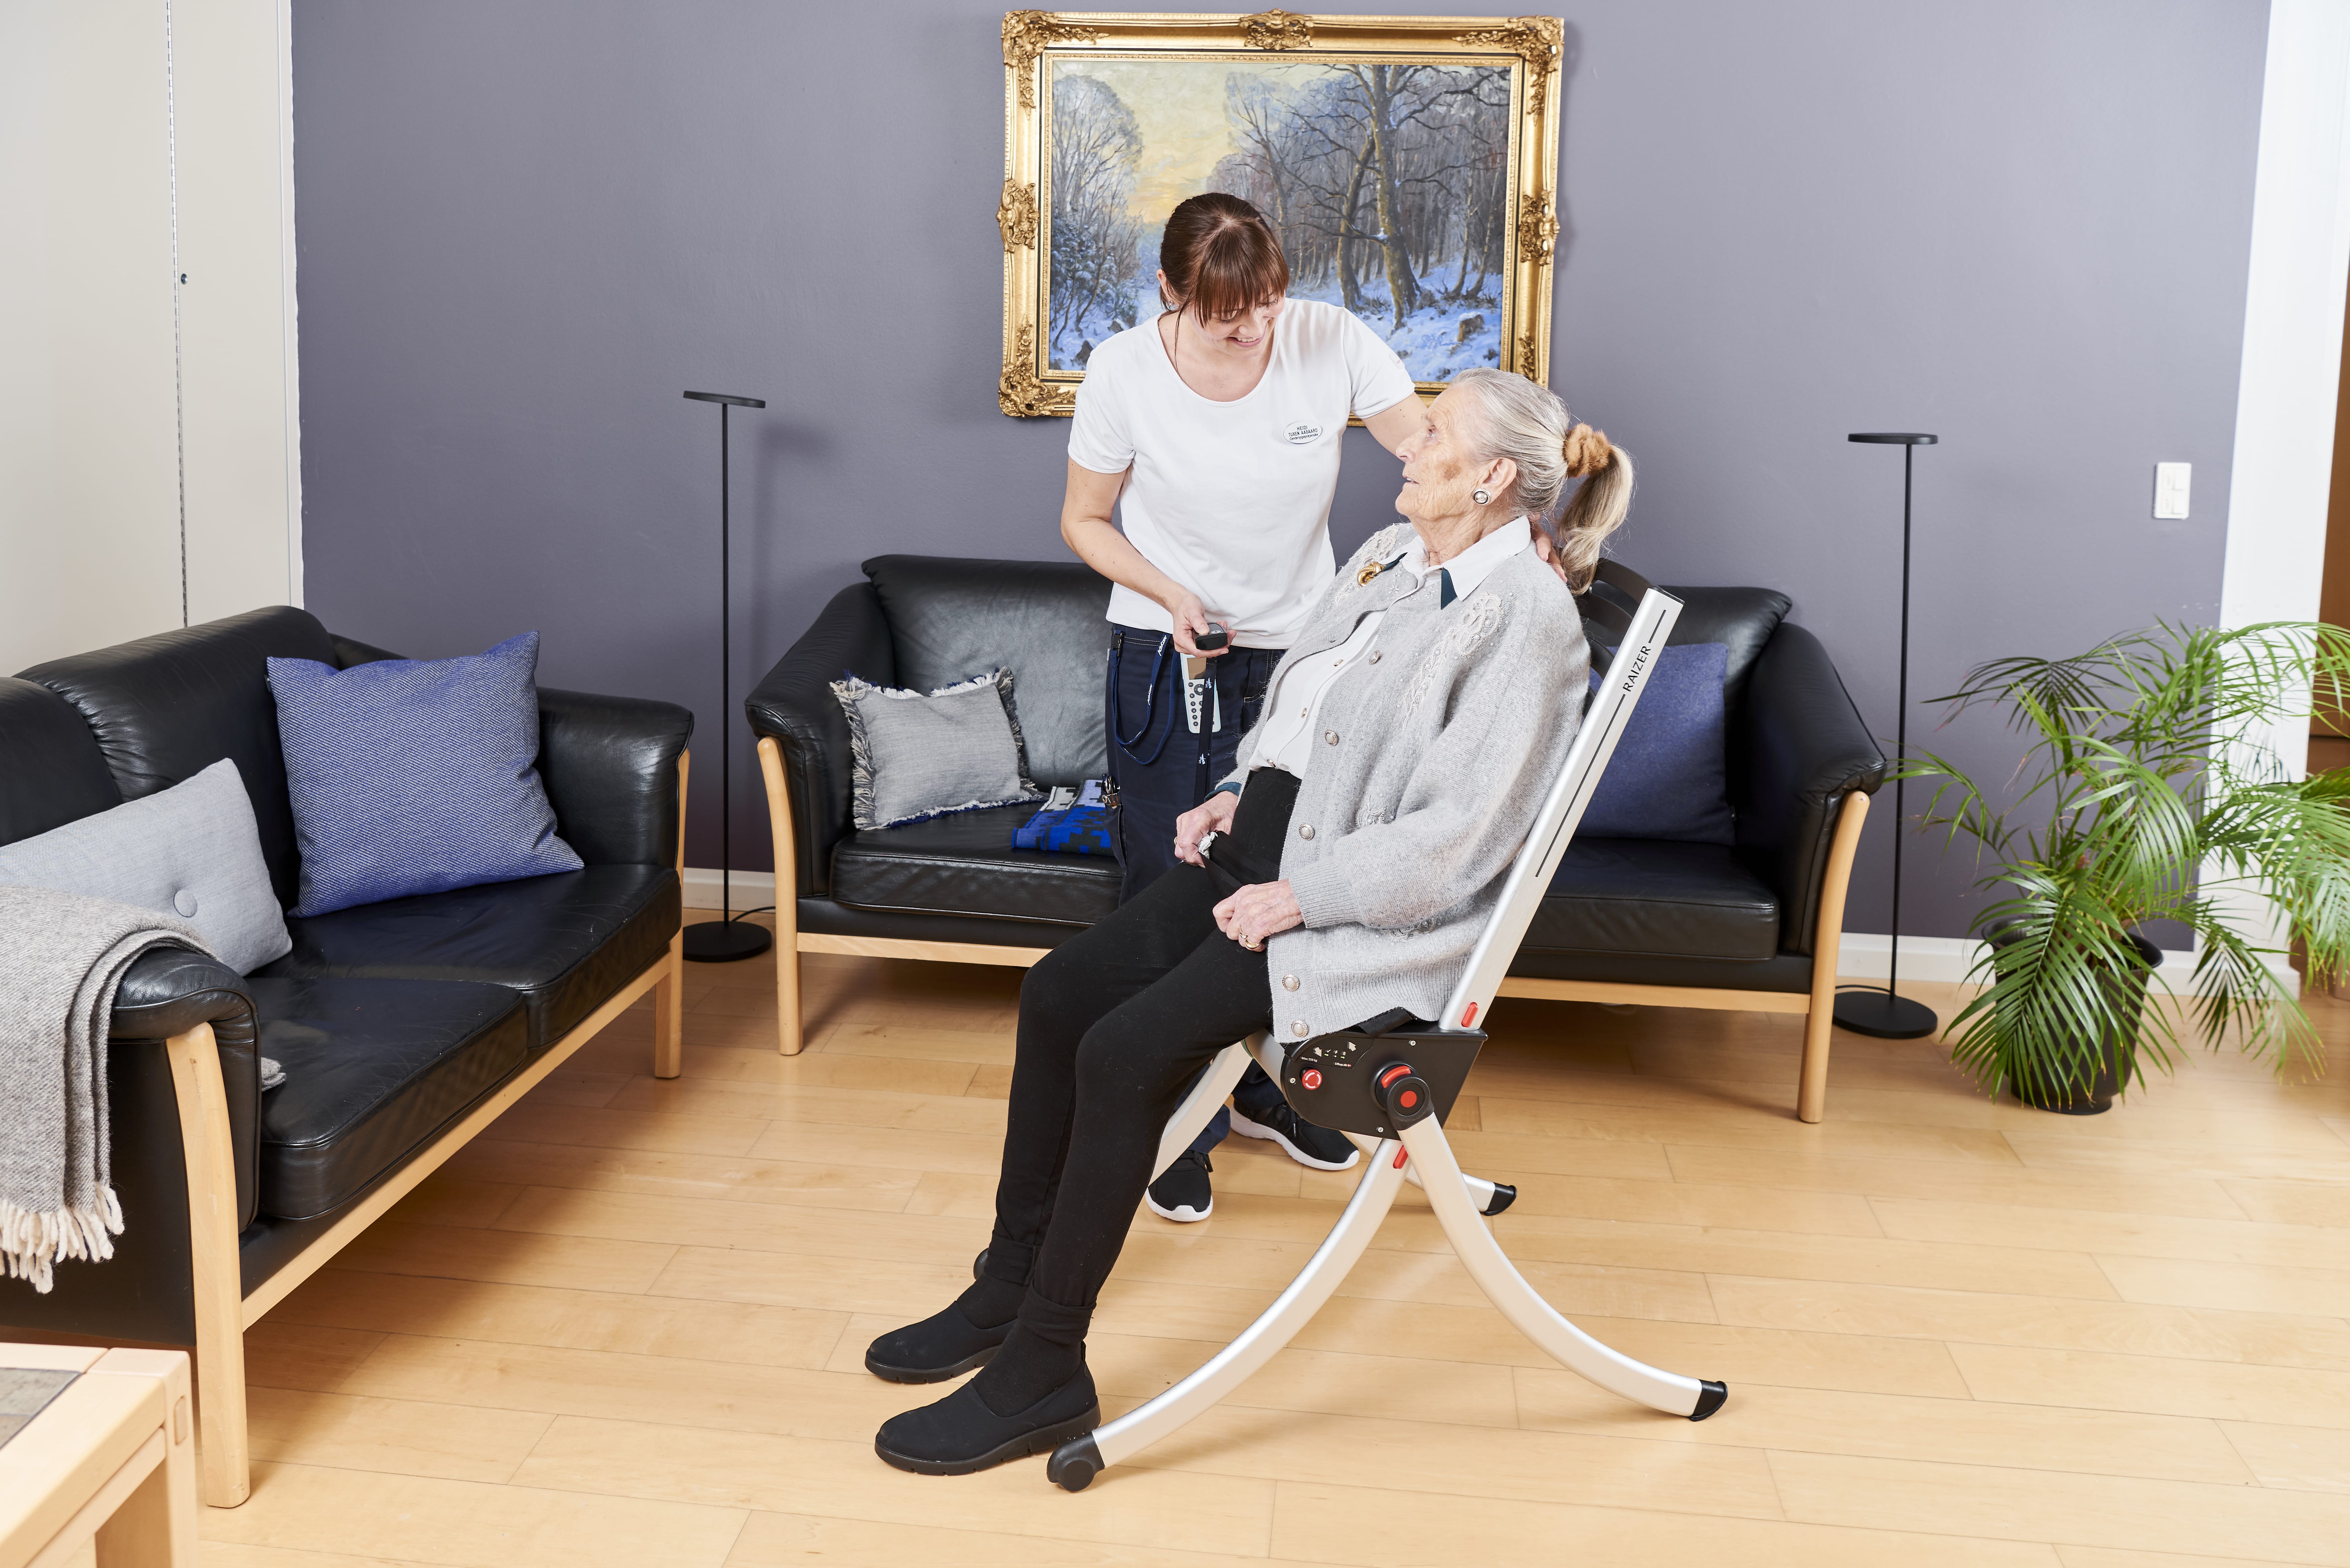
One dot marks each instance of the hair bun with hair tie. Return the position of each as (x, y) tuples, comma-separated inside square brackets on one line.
[(1586, 452)]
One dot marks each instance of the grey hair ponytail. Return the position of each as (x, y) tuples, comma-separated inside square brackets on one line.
[(1529, 425)]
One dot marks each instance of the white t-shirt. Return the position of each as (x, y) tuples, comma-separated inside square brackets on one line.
[(1233, 500)]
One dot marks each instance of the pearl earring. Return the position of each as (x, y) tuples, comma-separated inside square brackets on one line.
[(1482, 496)]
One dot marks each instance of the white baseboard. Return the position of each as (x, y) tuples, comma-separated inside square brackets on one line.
[(746, 889), (1865, 955)]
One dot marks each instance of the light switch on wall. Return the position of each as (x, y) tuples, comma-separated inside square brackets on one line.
[(2170, 484)]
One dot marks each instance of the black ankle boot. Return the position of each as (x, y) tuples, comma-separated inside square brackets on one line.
[(949, 1343), (943, 1345), (960, 1434)]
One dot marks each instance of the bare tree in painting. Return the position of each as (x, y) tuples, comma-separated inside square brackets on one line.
[(1385, 168), (1095, 147), (1385, 94)]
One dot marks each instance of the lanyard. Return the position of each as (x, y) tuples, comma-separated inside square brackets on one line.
[(1151, 700)]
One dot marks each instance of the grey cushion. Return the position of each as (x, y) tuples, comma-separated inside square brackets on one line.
[(193, 850), (923, 755)]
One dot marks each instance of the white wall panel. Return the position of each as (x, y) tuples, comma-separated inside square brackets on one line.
[(103, 448), (236, 318), (88, 469)]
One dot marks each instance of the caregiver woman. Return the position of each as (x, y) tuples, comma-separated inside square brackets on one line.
[(1219, 426)]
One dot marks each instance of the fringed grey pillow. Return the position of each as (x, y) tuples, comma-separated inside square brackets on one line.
[(921, 754)]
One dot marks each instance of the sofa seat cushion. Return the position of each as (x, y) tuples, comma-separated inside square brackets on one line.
[(965, 864), (564, 942), (374, 1069), (1655, 897)]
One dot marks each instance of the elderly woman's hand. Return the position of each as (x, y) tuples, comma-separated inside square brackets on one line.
[(1257, 911), (1213, 815)]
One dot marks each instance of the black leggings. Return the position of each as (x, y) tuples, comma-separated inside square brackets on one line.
[(1114, 1025)]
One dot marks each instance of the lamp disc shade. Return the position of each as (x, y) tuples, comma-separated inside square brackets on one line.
[(1879, 1014), (1869, 438), (726, 942)]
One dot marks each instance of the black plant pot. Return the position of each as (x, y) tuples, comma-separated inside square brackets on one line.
[(2116, 1054)]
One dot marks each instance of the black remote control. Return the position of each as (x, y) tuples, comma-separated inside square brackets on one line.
[(1212, 639)]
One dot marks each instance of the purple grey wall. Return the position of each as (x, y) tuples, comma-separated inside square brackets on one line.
[(526, 226)]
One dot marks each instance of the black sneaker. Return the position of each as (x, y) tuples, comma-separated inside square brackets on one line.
[(1317, 1147), (1183, 1194)]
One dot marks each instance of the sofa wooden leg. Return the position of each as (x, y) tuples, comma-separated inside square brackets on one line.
[(668, 1012), (1827, 953), (223, 1475), (788, 1038), (1812, 1094)]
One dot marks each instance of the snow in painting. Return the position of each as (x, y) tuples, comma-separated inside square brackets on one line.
[(1387, 183)]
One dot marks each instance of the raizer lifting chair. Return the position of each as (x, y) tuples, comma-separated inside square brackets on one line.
[(1393, 1083)]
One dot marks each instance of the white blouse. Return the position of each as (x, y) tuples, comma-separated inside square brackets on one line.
[(1285, 735)]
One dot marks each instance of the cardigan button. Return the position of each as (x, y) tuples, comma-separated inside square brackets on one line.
[(1298, 1027), (1329, 737), (1304, 830), (1375, 656), (1289, 983)]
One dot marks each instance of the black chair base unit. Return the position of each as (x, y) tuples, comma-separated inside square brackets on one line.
[(405, 1027), (1754, 925)]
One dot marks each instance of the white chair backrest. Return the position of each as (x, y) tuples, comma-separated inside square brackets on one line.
[(1640, 616)]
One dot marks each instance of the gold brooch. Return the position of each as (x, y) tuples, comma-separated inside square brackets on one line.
[(1370, 570)]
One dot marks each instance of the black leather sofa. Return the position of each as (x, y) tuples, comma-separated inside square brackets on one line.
[(404, 1027), (1753, 925)]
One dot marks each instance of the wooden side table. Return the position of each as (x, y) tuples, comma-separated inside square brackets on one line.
[(97, 1459)]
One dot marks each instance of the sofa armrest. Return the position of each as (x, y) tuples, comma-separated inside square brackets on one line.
[(169, 990), (796, 707), (1802, 749), (610, 768)]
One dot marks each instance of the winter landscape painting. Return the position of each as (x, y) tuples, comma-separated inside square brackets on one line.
[(1387, 181), (1408, 164)]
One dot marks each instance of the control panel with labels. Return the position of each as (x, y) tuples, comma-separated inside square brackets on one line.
[(1372, 1083)]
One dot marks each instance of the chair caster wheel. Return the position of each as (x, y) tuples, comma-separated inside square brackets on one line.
[(979, 1265), (1074, 1464)]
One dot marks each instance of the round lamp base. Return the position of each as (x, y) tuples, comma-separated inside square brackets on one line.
[(1879, 1012), (726, 942)]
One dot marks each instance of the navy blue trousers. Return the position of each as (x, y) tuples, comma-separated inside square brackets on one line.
[(1162, 769)]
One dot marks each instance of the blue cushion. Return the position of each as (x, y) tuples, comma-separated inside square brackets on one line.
[(1666, 779), (413, 775)]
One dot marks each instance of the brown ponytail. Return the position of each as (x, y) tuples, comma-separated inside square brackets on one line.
[(1598, 505), (1526, 422), (1220, 258)]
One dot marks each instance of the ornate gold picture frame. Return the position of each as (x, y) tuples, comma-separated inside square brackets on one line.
[(1408, 164)]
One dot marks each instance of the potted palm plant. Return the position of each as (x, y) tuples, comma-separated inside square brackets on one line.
[(2149, 791)]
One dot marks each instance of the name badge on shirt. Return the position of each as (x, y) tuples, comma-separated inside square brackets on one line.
[(1303, 433)]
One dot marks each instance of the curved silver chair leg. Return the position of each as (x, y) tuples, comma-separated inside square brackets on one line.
[(1523, 1305), (1490, 1196), (1075, 1463)]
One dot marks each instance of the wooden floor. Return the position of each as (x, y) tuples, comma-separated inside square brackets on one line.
[(625, 1329)]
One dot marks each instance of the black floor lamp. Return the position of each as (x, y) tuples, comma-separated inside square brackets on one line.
[(726, 939), (1864, 1008)]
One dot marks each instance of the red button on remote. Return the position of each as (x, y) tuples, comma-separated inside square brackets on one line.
[(1312, 1078)]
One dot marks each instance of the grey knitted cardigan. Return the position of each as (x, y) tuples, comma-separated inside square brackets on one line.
[(1434, 754)]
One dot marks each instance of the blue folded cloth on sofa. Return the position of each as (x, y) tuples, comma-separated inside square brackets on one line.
[(1074, 821)]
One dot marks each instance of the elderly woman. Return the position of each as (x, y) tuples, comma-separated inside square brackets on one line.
[(1344, 868)]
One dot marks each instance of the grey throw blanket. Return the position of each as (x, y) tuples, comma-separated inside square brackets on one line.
[(62, 956)]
